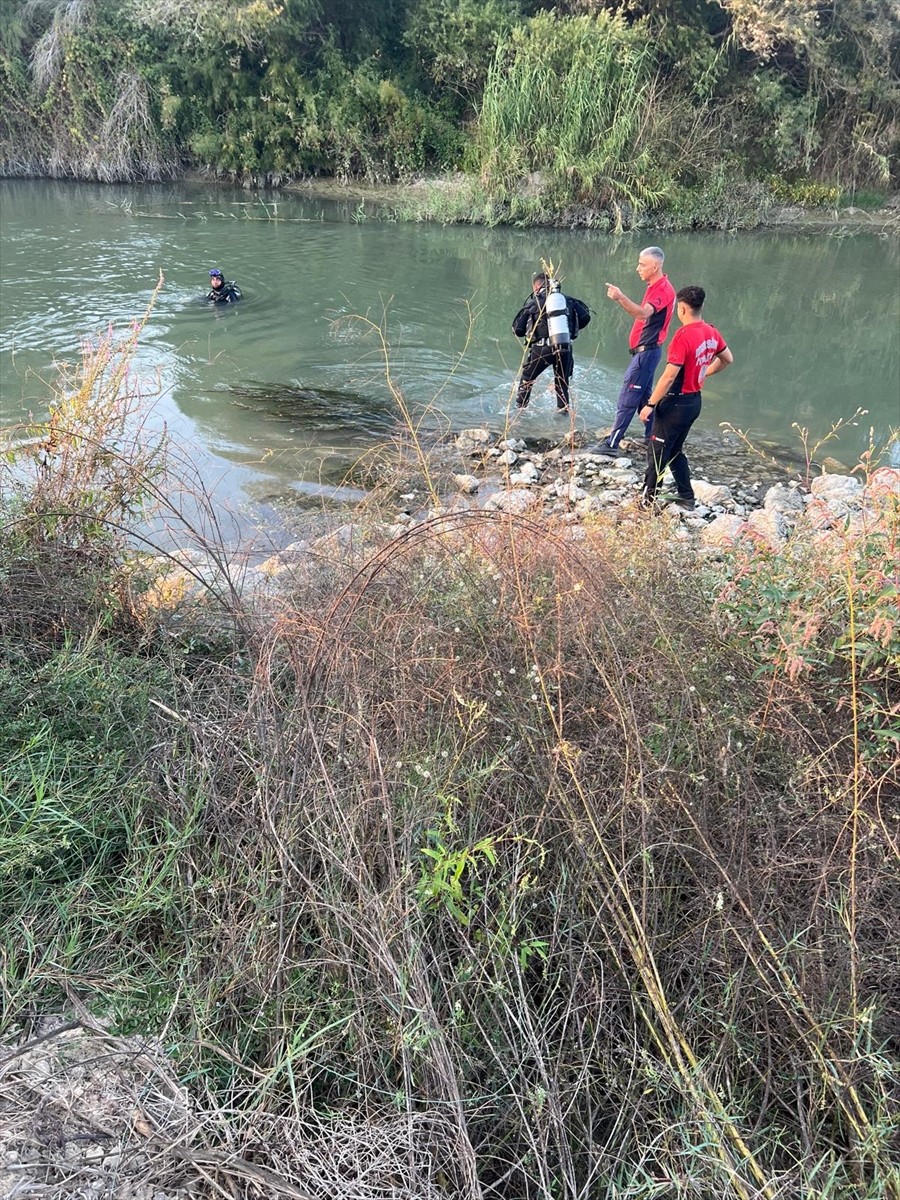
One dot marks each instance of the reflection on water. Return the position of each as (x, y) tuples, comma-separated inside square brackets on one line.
[(340, 315)]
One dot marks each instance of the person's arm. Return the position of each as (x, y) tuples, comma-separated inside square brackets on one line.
[(524, 318), (665, 381), (722, 360), (634, 310)]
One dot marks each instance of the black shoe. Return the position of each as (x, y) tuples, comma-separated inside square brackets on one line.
[(561, 408), (607, 451), (685, 503)]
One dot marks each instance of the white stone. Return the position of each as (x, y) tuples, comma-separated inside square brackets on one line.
[(589, 505), (512, 444), (711, 493), (467, 484), (770, 525), (846, 489), (723, 531), (508, 457), (467, 438), (516, 500), (784, 500)]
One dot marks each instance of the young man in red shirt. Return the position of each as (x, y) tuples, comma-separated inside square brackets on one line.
[(645, 342), (697, 351)]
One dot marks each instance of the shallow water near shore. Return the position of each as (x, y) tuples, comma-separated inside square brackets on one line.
[(347, 318)]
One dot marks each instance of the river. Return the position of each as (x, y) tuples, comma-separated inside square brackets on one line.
[(284, 391)]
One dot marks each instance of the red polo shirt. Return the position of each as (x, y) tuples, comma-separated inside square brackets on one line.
[(652, 330), (693, 348)]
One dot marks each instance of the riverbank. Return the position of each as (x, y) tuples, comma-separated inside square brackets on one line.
[(520, 845), (455, 199)]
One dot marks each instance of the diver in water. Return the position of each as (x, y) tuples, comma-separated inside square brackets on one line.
[(221, 290)]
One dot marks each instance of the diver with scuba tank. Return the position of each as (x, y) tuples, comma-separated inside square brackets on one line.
[(549, 321), (222, 290)]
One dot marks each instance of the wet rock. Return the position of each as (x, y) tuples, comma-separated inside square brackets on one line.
[(711, 493)]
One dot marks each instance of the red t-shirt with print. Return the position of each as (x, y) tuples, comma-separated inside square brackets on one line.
[(693, 348), (652, 330)]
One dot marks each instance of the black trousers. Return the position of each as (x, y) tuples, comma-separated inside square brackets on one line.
[(538, 359), (672, 420)]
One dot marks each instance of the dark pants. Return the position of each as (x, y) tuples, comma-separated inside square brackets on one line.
[(538, 359), (672, 421), (636, 390)]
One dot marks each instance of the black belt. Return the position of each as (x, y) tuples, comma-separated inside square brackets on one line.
[(547, 342), (641, 349)]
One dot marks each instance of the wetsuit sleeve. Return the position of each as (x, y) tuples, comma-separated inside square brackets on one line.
[(521, 322), (582, 313)]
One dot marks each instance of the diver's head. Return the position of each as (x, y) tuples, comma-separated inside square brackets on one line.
[(538, 282), (216, 278)]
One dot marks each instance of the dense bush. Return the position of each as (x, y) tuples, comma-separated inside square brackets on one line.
[(613, 108)]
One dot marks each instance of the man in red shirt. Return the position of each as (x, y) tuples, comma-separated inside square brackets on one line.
[(697, 351), (651, 325)]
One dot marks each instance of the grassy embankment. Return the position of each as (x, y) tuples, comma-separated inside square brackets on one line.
[(574, 863)]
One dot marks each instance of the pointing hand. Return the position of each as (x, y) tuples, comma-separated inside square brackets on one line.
[(613, 292)]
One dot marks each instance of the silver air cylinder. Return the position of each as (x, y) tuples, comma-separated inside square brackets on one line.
[(557, 319)]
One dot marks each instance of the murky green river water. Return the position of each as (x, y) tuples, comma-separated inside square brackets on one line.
[(288, 387)]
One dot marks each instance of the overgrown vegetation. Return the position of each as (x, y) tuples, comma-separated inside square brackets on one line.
[(594, 111), (569, 867)]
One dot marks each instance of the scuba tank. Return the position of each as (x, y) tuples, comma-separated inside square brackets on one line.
[(556, 309)]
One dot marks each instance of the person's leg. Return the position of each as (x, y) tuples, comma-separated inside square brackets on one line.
[(563, 366), (634, 394), (672, 422), (535, 362)]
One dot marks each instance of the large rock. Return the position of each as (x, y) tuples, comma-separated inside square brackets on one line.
[(840, 489), (517, 500), (769, 525), (723, 531), (711, 493), (784, 500)]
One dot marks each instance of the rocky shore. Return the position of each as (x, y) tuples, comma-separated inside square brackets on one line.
[(740, 498)]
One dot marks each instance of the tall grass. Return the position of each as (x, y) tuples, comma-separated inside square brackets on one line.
[(503, 853), (568, 100)]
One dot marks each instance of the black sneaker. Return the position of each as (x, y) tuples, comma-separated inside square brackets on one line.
[(607, 451), (685, 503)]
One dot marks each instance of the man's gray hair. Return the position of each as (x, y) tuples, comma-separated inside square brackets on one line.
[(654, 252)]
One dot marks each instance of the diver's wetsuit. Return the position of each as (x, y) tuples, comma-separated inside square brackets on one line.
[(531, 322), (228, 293)]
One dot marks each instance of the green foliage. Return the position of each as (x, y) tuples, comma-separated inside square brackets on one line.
[(562, 113), (454, 43), (587, 114)]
